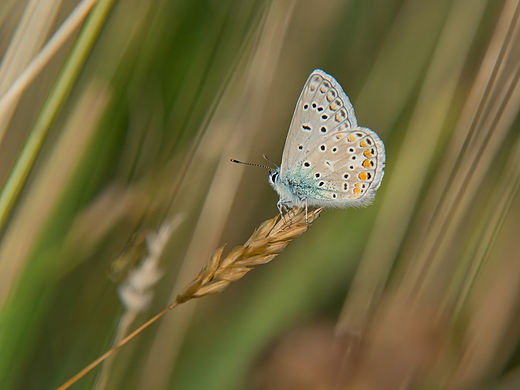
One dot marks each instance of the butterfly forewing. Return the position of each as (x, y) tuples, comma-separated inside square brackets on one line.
[(322, 109)]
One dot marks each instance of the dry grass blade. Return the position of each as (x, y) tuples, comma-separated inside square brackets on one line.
[(268, 241)]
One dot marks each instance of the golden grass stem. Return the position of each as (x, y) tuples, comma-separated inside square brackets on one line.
[(112, 350), (266, 242)]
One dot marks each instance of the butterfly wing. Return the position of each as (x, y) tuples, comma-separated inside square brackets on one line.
[(327, 159), (344, 169), (322, 109)]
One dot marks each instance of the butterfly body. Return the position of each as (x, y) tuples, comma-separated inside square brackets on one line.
[(328, 160)]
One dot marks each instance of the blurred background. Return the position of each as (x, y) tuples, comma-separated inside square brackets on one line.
[(117, 123)]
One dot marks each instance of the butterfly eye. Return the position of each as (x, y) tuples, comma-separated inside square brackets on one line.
[(273, 176)]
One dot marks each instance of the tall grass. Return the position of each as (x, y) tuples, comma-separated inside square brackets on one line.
[(125, 115)]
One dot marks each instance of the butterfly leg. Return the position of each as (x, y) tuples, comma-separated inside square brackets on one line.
[(287, 212), (282, 207)]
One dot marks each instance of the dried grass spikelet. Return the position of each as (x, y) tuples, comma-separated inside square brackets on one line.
[(267, 242)]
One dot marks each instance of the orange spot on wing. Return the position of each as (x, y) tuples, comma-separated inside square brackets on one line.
[(351, 138), (366, 164), (367, 153), (363, 144), (363, 176)]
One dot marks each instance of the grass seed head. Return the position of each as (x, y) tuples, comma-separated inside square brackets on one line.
[(266, 242)]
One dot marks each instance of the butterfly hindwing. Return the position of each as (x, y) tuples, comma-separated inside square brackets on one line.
[(346, 168)]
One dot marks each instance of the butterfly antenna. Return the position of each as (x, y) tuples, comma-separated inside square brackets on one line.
[(252, 164), (268, 159)]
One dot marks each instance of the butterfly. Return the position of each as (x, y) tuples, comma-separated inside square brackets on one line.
[(328, 160)]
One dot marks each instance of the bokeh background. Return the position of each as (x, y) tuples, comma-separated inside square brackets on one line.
[(118, 118)]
